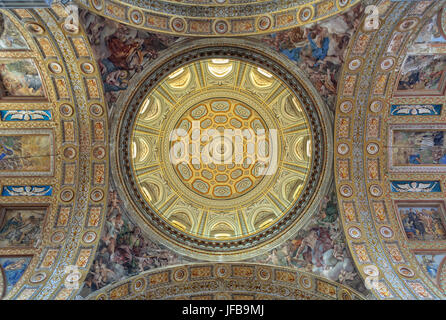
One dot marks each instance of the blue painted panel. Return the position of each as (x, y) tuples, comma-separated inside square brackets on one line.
[(27, 191), (415, 186), (415, 109), (25, 115)]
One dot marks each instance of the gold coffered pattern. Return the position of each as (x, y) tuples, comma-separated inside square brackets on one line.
[(234, 194)]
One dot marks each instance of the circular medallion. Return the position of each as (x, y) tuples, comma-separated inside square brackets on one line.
[(87, 67), (343, 148), (375, 190), (73, 277), (371, 270), (99, 152), (354, 64), (179, 275), (222, 271), (305, 14), (346, 106), (221, 27), (55, 67), (376, 106), (69, 153), (139, 285), (96, 110), (305, 282), (354, 232), (34, 28), (66, 110), (372, 148), (386, 232), (346, 191), (38, 277), (217, 152), (408, 24), (178, 24), (406, 271), (387, 64), (89, 236), (264, 274), (97, 195), (136, 16), (97, 4), (66, 195), (57, 237), (264, 23)]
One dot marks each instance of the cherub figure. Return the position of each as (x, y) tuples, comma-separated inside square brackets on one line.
[(113, 203)]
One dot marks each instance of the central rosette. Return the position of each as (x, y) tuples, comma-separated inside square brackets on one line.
[(222, 148)]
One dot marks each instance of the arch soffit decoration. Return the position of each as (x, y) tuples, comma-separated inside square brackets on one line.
[(74, 194), (367, 205), (226, 281), (219, 18)]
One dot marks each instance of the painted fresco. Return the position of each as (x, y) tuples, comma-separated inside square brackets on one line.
[(422, 74), (25, 153), (120, 51), (431, 39), (26, 191), (415, 109), (431, 263), (319, 49), (415, 186), (10, 37), (422, 222), (319, 248), (123, 250), (431, 32), (20, 227), (413, 148), (13, 269), (20, 79)]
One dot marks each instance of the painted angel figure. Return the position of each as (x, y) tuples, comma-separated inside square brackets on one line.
[(415, 186), (25, 115), (415, 110)]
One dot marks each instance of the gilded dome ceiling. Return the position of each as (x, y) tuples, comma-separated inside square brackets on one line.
[(151, 150), (223, 149)]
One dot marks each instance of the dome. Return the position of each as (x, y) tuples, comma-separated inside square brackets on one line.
[(222, 149)]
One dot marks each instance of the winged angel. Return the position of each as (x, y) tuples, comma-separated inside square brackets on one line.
[(25, 115), (415, 186), (28, 191), (415, 109)]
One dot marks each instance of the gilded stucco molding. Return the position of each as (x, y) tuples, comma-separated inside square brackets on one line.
[(226, 281), (217, 20), (374, 235), (73, 221)]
